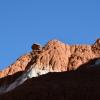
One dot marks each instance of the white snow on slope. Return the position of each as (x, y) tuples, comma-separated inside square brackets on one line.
[(32, 72), (97, 62)]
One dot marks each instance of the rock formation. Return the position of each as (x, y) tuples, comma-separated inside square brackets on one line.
[(36, 47), (56, 71), (19, 65), (55, 56)]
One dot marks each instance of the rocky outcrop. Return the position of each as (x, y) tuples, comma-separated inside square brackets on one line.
[(55, 56), (19, 65), (96, 48), (36, 47)]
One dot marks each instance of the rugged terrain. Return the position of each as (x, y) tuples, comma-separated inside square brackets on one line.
[(56, 71), (55, 56), (82, 84)]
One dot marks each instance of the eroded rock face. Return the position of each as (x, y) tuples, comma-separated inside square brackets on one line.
[(55, 56), (19, 65)]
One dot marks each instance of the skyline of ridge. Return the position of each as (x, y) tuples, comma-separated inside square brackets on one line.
[(23, 23)]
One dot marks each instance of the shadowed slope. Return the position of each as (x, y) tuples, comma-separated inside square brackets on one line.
[(82, 84)]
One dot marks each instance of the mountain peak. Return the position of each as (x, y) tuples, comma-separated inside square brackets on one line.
[(55, 56)]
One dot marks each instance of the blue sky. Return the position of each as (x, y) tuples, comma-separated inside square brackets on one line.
[(23, 22)]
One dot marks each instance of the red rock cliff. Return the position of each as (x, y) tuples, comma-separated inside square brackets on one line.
[(55, 56)]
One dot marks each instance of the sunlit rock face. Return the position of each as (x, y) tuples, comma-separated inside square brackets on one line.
[(19, 65), (54, 56)]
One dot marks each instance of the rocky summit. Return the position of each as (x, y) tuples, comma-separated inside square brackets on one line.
[(55, 56), (56, 71)]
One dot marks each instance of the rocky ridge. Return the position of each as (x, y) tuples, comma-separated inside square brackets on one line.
[(55, 56)]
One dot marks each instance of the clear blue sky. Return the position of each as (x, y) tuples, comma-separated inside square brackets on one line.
[(23, 22)]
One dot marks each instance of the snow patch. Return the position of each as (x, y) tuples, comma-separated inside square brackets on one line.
[(32, 72), (97, 62), (35, 72)]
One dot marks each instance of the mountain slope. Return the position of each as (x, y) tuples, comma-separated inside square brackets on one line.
[(55, 56), (55, 71), (78, 85)]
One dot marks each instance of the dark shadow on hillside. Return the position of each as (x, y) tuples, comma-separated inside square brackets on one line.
[(10, 78), (88, 64), (82, 84)]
